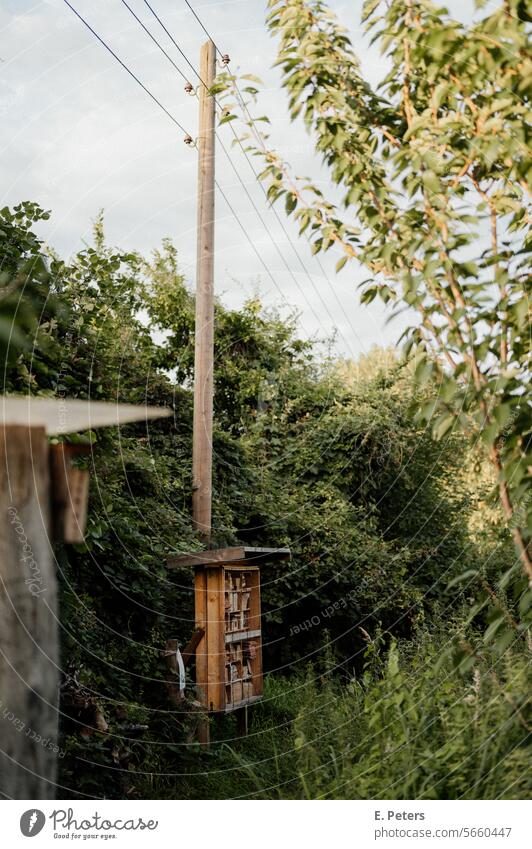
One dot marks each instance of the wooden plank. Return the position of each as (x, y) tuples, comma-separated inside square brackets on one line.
[(242, 721), (255, 622), (215, 645), (29, 658), (70, 492), (200, 615), (190, 649), (223, 556), (202, 558), (259, 552), (238, 636), (236, 705)]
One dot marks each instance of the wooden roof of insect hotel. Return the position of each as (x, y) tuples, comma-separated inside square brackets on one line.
[(244, 554)]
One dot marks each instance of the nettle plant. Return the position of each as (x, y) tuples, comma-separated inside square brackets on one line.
[(432, 171)]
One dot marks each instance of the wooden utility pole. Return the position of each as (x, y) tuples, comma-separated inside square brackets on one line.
[(204, 357), (204, 345)]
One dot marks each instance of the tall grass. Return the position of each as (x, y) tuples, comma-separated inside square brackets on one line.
[(410, 727), (418, 730)]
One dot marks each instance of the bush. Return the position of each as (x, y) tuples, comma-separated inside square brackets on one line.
[(322, 456), (410, 727)]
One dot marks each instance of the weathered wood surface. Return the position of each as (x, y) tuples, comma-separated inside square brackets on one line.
[(204, 338), (190, 649), (255, 623), (222, 556), (200, 612), (216, 647), (29, 662), (69, 487)]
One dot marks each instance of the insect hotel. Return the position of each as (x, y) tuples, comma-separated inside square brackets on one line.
[(228, 623)]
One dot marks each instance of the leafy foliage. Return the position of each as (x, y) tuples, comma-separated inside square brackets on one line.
[(26, 299), (324, 456), (408, 727), (433, 169)]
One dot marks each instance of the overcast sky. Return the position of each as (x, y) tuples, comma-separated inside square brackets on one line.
[(78, 134)]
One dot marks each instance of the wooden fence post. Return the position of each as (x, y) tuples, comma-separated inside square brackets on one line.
[(29, 625), (29, 661)]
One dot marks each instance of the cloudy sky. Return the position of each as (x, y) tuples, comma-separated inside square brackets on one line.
[(78, 134)]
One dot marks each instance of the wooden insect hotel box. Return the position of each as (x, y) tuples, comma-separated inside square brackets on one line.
[(228, 611)]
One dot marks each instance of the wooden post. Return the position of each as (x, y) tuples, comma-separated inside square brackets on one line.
[(29, 654), (29, 660), (242, 721), (204, 344)]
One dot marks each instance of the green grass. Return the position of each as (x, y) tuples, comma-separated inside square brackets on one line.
[(411, 727)]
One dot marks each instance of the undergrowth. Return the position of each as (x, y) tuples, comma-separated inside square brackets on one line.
[(411, 726)]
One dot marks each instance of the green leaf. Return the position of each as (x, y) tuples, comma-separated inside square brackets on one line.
[(431, 182), (341, 262), (465, 576), (490, 632), (290, 203), (443, 425)]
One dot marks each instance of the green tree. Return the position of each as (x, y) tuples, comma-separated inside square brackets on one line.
[(27, 302), (433, 171)]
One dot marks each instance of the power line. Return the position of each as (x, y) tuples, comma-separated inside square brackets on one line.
[(130, 72), (227, 154), (146, 30), (160, 105), (261, 219), (252, 243), (178, 124), (174, 42), (200, 22), (176, 67), (273, 208)]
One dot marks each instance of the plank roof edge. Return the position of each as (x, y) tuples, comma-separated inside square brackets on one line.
[(60, 415), (218, 556)]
